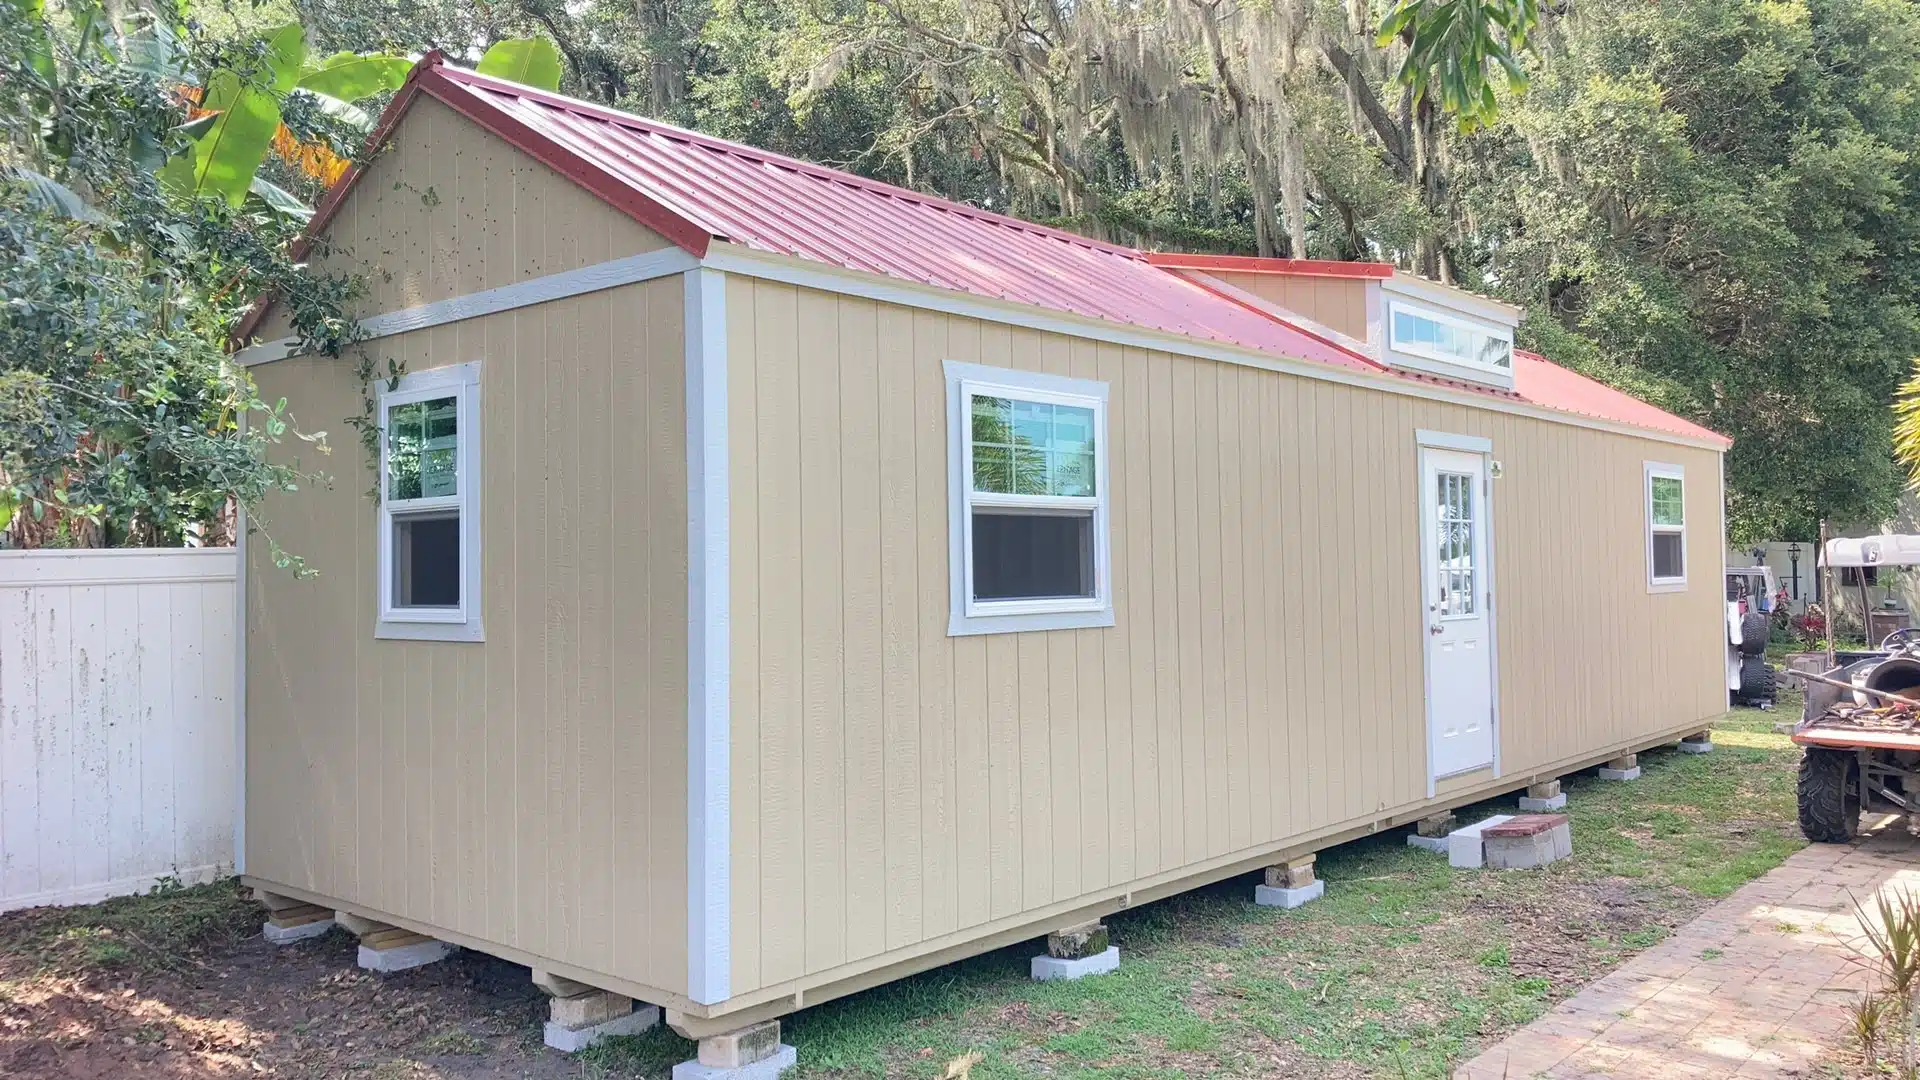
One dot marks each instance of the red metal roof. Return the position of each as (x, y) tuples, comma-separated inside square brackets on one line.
[(1547, 384), (694, 189)]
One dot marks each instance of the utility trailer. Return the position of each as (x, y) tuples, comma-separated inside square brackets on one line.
[(1860, 727)]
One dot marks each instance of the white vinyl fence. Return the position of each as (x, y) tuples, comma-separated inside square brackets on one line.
[(117, 763)]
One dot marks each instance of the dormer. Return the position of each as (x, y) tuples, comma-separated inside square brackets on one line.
[(1397, 319)]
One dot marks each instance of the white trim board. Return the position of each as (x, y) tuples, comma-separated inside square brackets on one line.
[(540, 290), (747, 262), (709, 648), (46, 568)]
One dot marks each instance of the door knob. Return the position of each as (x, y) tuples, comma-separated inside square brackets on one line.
[(1436, 628)]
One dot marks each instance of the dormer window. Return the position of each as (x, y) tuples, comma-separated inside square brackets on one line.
[(1422, 332)]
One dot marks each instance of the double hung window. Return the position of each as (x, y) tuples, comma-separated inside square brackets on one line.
[(1028, 477), (429, 547)]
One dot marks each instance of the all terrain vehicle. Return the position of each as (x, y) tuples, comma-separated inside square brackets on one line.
[(1860, 729), (1751, 596)]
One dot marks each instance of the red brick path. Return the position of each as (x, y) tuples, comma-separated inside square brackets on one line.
[(1756, 987)]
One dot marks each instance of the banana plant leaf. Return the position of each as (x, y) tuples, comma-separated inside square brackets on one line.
[(280, 199), (529, 61), (53, 196), (348, 77), (223, 160), (36, 47)]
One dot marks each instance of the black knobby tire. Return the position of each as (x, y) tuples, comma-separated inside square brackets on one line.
[(1829, 793), (1756, 680), (1754, 628)]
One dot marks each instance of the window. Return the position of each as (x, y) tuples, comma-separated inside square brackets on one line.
[(1028, 529), (1448, 340), (1453, 520), (1666, 527), (429, 536)]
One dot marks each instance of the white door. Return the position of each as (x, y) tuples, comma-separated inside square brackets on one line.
[(1459, 628)]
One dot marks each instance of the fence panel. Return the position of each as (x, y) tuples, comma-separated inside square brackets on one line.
[(117, 748)]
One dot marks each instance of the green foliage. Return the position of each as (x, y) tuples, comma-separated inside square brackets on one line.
[(1453, 44), (532, 61), (122, 419), (1709, 202)]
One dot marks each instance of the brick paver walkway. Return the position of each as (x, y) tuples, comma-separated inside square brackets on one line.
[(1756, 987)]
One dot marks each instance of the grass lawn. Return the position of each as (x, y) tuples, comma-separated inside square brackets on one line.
[(1404, 969)]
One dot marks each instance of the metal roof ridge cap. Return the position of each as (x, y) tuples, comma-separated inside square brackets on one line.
[(468, 76)]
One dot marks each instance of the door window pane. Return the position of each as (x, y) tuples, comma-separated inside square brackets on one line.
[(1454, 523)]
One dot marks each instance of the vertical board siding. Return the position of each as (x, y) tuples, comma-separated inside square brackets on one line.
[(116, 721), (449, 208), (1264, 676), (529, 790), (1335, 303)]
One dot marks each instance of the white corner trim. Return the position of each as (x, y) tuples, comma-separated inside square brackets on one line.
[(805, 273), (1446, 440), (240, 679), (709, 645), (540, 290)]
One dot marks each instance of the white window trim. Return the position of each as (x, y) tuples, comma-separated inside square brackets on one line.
[(1674, 472), (463, 622), (966, 615), (1415, 349)]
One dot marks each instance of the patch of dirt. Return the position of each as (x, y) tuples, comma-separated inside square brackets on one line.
[(238, 1006), (1554, 931)]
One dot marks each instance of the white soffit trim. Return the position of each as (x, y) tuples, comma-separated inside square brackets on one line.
[(789, 270), (540, 290), (709, 647)]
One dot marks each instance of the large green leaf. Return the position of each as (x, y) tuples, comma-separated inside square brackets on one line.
[(280, 199), (36, 48), (340, 110), (155, 50), (528, 61), (351, 76), (286, 56), (223, 160), (55, 197)]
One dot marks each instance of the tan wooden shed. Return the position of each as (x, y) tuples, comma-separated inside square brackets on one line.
[(783, 582)]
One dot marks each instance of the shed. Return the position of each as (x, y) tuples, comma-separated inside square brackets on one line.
[(782, 582)]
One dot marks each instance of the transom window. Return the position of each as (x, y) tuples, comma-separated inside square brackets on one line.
[(1453, 341), (1666, 527), (1029, 549), (429, 537)]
